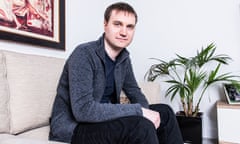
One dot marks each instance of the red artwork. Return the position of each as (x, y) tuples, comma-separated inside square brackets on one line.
[(35, 16)]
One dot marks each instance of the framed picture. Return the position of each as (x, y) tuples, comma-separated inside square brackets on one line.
[(36, 22), (232, 93)]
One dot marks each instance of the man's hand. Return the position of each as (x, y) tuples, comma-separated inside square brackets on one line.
[(153, 116)]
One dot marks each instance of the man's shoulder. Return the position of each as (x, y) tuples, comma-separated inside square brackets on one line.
[(86, 45), (89, 46), (85, 50)]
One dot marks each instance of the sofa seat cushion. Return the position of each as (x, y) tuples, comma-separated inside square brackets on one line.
[(32, 82), (5, 136), (37, 133), (11, 139)]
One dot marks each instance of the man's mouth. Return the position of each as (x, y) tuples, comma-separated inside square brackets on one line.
[(122, 39)]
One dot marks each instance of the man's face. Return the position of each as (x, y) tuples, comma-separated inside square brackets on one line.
[(119, 30)]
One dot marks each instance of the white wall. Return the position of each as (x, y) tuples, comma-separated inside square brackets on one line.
[(165, 27)]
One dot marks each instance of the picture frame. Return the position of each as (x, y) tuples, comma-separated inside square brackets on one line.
[(40, 23), (232, 93)]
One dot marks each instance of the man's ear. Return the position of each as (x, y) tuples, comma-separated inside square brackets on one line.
[(105, 23)]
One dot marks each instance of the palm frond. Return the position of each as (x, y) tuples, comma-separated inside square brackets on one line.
[(186, 75)]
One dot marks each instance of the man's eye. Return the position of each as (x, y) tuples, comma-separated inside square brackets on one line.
[(130, 27), (117, 24)]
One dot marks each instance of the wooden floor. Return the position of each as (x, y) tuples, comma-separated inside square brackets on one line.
[(208, 141)]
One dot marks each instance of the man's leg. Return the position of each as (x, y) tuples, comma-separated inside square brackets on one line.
[(168, 132), (126, 130)]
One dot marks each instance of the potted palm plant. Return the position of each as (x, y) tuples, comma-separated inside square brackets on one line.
[(189, 75)]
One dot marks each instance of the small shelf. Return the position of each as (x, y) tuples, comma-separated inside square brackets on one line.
[(223, 104), (228, 118)]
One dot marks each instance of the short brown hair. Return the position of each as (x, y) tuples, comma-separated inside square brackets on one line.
[(119, 6)]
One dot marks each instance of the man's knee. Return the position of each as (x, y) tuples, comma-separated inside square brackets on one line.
[(144, 131), (166, 113), (140, 122), (162, 108), (145, 123)]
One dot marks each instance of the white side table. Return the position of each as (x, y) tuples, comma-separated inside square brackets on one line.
[(228, 118)]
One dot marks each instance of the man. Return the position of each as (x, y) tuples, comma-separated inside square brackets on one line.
[(87, 109)]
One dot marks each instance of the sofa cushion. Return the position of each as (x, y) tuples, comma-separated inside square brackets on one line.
[(32, 83), (4, 97), (38, 133), (150, 89), (11, 139)]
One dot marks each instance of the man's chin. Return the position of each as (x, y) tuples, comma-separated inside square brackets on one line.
[(122, 45), (118, 45), (118, 48)]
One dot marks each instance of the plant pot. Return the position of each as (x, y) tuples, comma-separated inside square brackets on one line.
[(191, 128)]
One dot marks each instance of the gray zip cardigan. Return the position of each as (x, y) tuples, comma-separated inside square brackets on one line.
[(81, 88)]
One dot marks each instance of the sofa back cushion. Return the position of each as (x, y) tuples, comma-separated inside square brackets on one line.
[(150, 89), (4, 97), (32, 82)]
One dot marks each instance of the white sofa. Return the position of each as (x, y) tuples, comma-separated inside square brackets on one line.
[(27, 91)]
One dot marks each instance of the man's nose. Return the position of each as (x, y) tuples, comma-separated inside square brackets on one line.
[(123, 31)]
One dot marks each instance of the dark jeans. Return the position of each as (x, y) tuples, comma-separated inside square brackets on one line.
[(131, 130)]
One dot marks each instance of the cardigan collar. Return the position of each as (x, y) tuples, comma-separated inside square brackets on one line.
[(124, 54)]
